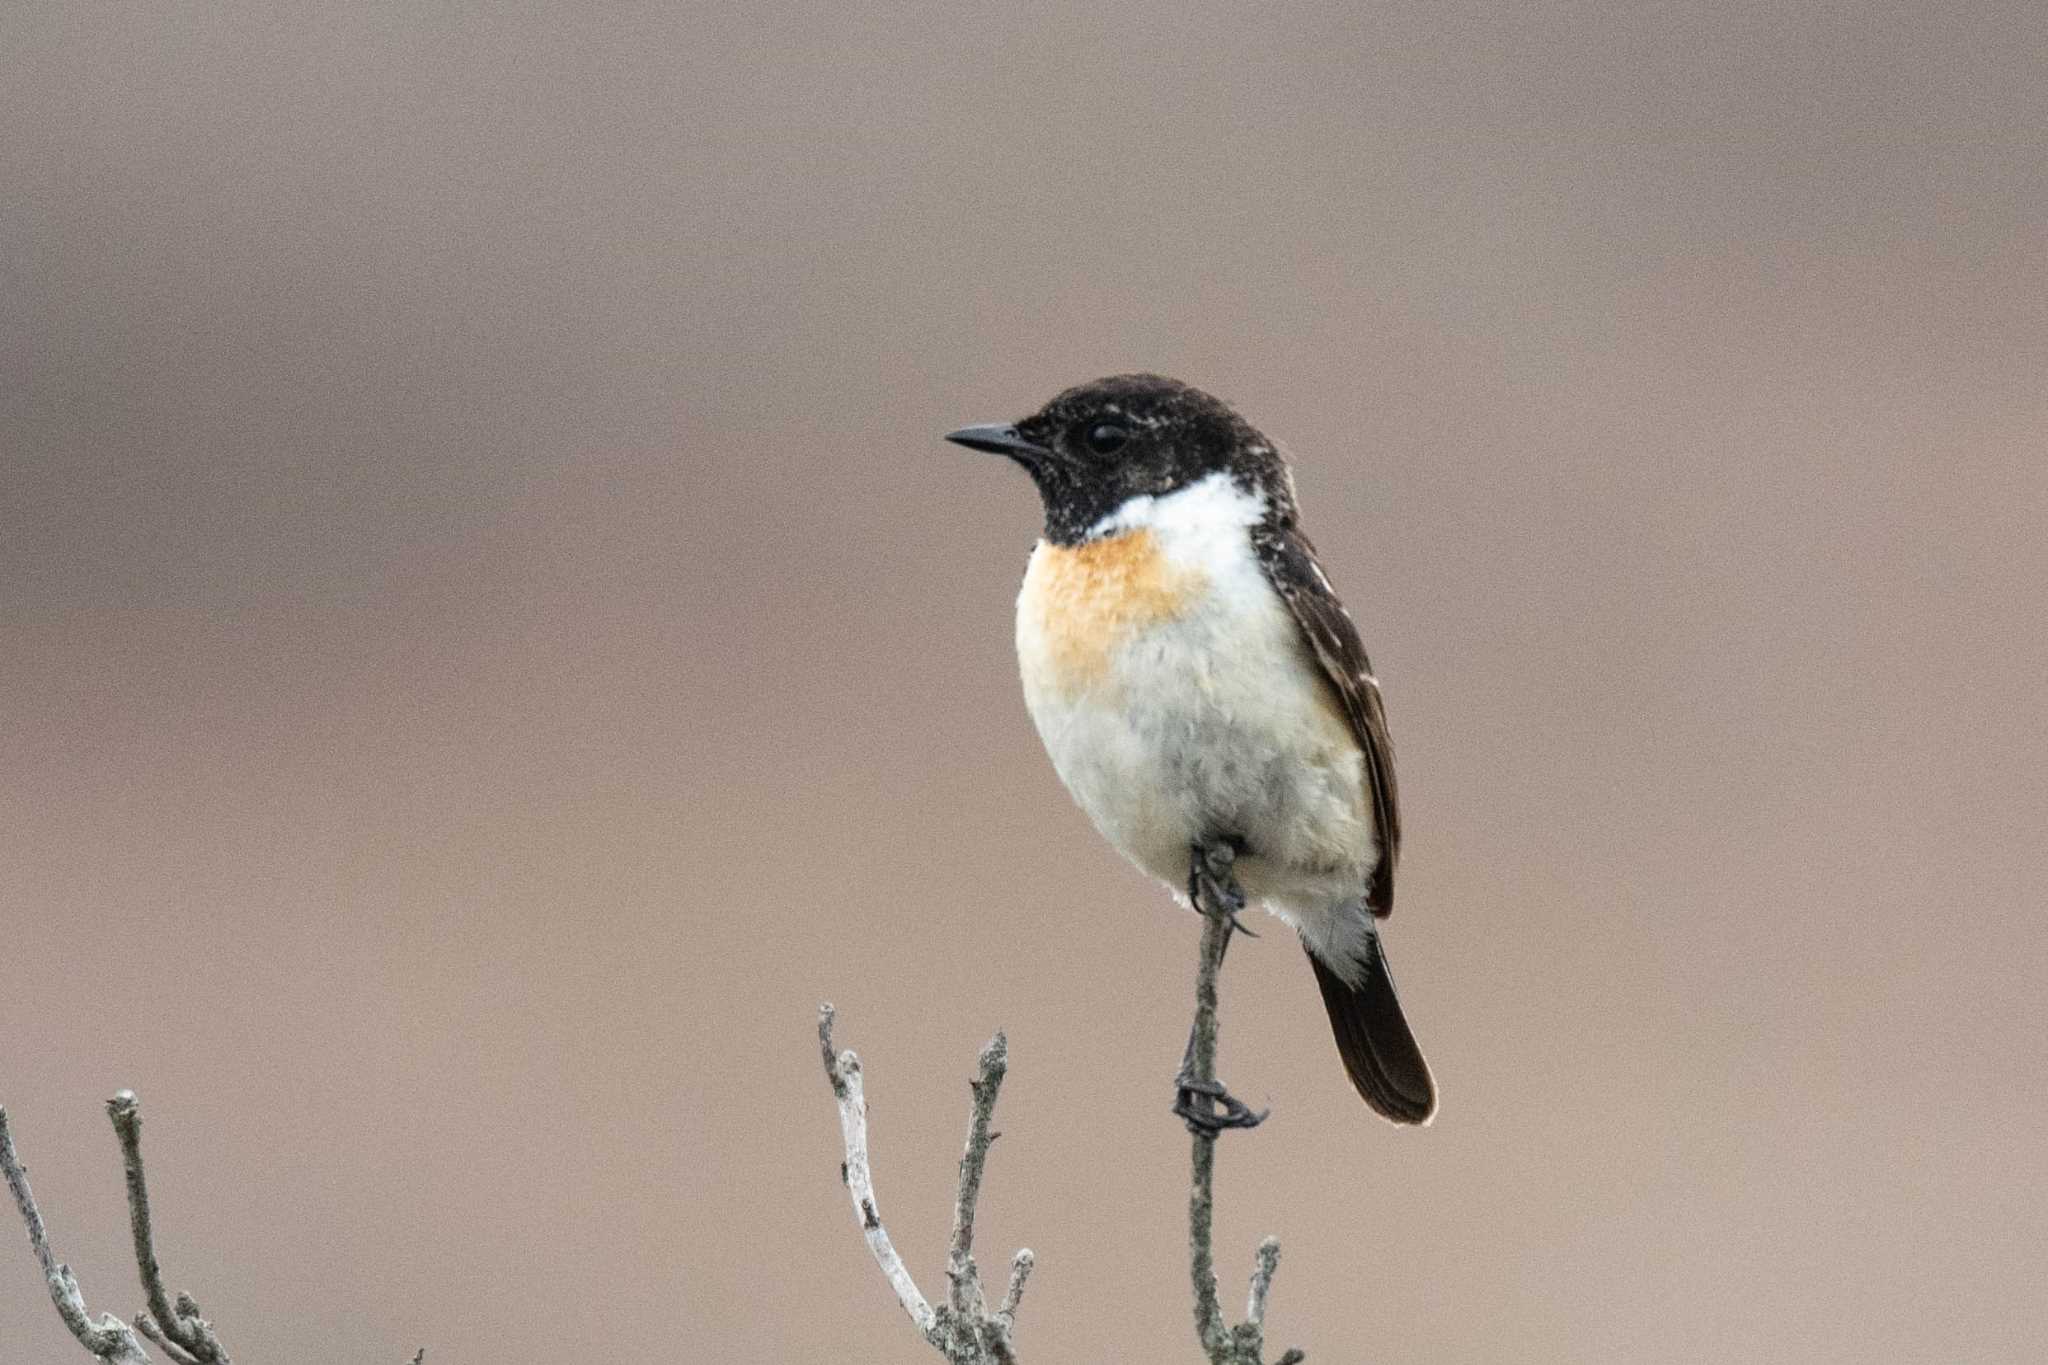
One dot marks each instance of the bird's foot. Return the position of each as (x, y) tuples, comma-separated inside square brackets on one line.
[(1207, 1108), (1212, 886)]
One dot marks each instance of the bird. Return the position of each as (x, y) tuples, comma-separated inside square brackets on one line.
[(1205, 697)]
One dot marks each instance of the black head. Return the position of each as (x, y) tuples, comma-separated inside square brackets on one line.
[(1102, 443)]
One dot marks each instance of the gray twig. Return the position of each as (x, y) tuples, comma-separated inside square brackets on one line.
[(962, 1329), (960, 1269), (1020, 1271), (146, 1325), (843, 1070), (109, 1338), (1223, 1343), (1262, 1281), (178, 1324)]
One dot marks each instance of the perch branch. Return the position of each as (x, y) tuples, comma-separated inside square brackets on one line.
[(1224, 1344), (962, 1329), (1209, 1327)]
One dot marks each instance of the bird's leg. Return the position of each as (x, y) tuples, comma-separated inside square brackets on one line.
[(1198, 1097), (1212, 885)]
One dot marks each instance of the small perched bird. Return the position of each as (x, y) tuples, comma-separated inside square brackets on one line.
[(1204, 695)]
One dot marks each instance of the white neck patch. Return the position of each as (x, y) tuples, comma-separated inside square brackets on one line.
[(1216, 500)]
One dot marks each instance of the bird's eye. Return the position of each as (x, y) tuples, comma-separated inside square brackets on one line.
[(1107, 438)]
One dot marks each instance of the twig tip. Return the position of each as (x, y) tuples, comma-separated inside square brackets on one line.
[(1020, 1271), (995, 1057)]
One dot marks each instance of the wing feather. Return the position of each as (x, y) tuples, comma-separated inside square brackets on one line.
[(1289, 561)]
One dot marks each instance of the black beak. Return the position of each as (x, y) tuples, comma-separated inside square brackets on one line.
[(999, 439)]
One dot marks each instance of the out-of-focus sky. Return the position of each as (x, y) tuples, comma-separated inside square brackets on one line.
[(492, 638)]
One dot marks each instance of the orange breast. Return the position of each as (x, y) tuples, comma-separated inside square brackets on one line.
[(1081, 602)]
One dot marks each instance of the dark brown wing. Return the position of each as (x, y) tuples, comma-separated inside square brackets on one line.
[(1290, 564)]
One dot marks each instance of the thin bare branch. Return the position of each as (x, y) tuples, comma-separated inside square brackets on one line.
[(826, 1014), (1020, 1271), (17, 1185), (1262, 1281), (126, 1116), (109, 1338), (966, 1293), (146, 1325), (843, 1070), (962, 1329), (179, 1323)]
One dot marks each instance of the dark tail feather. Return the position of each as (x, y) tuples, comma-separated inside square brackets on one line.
[(1373, 1039)]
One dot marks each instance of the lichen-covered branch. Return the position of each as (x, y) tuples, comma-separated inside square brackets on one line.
[(108, 1337), (962, 1329), (1223, 1343), (185, 1336), (965, 1279), (174, 1325), (1020, 1271), (843, 1070)]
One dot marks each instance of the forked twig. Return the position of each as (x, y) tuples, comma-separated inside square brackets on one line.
[(108, 1337), (173, 1324), (962, 1329)]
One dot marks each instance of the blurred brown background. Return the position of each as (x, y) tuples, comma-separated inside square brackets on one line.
[(492, 638)]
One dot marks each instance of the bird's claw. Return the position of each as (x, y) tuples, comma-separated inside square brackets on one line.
[(1213, 888), (1207, 1108)]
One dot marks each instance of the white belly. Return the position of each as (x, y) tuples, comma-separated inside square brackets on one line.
[(1203, 719)]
